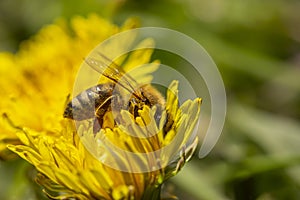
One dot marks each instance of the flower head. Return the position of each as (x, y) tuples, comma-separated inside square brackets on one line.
[(72, 160)]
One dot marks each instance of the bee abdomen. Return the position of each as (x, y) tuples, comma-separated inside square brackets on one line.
[(83, 106)]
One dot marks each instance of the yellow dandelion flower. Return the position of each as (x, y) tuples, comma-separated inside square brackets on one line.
[(129, 157), (68, 169)]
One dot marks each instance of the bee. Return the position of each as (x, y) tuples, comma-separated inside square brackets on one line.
[(96, 101)]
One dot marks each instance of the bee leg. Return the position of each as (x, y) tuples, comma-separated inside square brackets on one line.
[(102, 108), (136, 111), (133, 107), (99, 113)]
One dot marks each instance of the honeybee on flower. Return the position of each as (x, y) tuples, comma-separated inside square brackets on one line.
[(72, 161)]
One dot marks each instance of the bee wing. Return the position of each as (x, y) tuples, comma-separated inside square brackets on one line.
[(114, 72)]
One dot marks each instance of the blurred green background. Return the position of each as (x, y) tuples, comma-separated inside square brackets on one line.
[(255, 44)]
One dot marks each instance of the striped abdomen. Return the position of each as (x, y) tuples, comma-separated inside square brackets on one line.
[(84, 105)]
